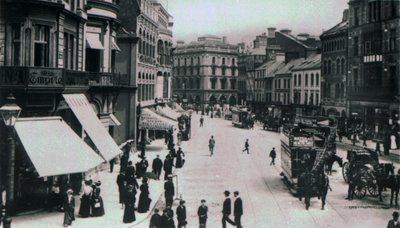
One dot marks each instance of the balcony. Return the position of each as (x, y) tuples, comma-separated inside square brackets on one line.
[(370, 93), (15, 77)]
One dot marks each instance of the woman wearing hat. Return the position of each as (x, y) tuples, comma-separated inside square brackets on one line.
[(144, 200), (179, 158), (97, 204), (129, 211), (84, 209), (69, 208)]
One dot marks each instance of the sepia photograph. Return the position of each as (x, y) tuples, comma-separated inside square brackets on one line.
[(199, 113)]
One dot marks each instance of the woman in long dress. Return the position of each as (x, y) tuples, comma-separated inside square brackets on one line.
[(86, 200), (129, 211), (144, 200), (69, 208), (97, 204), (179, 158)]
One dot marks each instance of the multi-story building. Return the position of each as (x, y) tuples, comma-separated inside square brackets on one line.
[(334, 69), (306, 87), (205, 72), (373, 58)]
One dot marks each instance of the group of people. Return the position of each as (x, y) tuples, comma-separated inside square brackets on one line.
[(227, 210)]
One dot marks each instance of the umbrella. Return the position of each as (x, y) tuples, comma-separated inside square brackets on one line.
[(150, 175)]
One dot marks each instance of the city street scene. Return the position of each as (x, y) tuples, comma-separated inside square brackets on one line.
[(187, 113)]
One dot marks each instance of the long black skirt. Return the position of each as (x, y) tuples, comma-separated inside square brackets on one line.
[(129, 213)]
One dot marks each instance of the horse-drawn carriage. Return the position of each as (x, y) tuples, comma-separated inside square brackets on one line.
[(271, 124)]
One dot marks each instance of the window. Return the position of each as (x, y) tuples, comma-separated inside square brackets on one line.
[(198, 83), (179, 62), (356, 16), (185, 61), (355, 77), (299, 81), (325, 67), (355, 51), (329, 66), (342, 66), (233, 62), (213, 60), (213, 83), (317, 79), (16, 44), (338, 66), (317, 99), (312, 79), (213, 70), (233, 83), (223, 83), (41, 48), (305, 98), (306, 78), (191, 61), (374, 11), (223, 61), (392, 40), (295, 80), (367, 47), (223, 71), (69, 51), (233, 71)]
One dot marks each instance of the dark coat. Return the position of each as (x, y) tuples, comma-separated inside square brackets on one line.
[(272, 154), (238, 207), (130, 171), (168, 164), (227, 206), (169, 188), (157, 164), (202, 211), (181, 213), (155, 221), (129, 210), (69, 210), (391, 224)]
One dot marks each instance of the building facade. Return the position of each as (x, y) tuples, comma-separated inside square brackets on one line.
[(334, 69), (373, 58), (205, 72)]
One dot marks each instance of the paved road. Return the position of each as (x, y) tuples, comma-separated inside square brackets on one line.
[(267, 201)]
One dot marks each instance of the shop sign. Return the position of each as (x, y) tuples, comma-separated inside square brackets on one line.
[(45, 77), (147, 121)]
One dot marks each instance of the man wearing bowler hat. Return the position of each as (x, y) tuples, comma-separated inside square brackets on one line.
[(394, 223), (226, 210), (238, 209)]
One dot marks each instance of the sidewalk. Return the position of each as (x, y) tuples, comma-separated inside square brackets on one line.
[(109, 192)]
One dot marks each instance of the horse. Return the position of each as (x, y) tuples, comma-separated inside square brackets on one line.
[(329, 162), (385, 178)]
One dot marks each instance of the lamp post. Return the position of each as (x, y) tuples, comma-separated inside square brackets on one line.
[(10, 113)]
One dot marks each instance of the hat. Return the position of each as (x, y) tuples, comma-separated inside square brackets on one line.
[(227, 192), (129, 162), (98, 183), (156, 210), (203, 200), (182, 202), (236, 192), (70, 191), (395, 213)]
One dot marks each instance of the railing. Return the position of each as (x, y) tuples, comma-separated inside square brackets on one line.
[(370, 93)]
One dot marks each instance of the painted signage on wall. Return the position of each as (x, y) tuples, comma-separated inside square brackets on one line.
[(45, 77)]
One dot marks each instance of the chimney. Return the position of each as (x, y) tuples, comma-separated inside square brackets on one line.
[(345, 15), (271, 32), (286, 31), (224, 39)]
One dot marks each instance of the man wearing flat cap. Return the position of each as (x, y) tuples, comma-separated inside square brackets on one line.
[(394, 223), (238, 209), (226, 210)]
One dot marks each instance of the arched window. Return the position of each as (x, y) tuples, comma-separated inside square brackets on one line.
[(338, 66), (342, 66), (233, 61), (140, 76), (329, 66), (223, 61), (191, 61), (325, 67), (317, 79), (213, 60), (312, 79)]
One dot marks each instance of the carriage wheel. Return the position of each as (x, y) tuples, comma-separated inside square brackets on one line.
[(345, 171), (360, 191), (373, 190)]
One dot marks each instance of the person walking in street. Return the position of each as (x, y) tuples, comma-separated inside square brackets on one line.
[(226, 210), (122, 184), (179, 158), (272, 155), (202, 213), (141, 167), (155, 220), (168, 164), (157, 166), (238, 209), (84, 209), (144, 200), (394, 223), (129, 211), (246, 146), (56, 199), (169, 192), (350, 176), (130, 172), (69, 208), (97, 204), (181, 214), (201, 121), (211, 145), (323, 188), (167, 219)]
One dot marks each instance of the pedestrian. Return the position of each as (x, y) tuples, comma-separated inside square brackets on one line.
[(141, 167), (112, 162), (69, 208), (394, 223), (211, 145), (121, 182), (144, 200), (169, 192), (246, 146), (350, 176), (130, 172), (238, 209), (202, 213), (168, 164), (272, 154), (97, 204), (378, 148), (179, 137), (129, 200), (84, 209), (157, 166), (155, 220), (201, 121), (365, 139), (181, 214), (226, 210), (56, 199), (123, 162), (179, 158), (167, 219), (323, 188)]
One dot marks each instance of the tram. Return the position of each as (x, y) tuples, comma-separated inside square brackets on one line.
[(240, 117)]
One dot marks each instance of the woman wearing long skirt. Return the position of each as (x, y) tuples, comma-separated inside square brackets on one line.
[(144, 200), (69, 208), (97, 206), (179, 158), (129, 211), (86, 199)]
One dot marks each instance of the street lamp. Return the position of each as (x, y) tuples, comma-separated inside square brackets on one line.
[(10, 113)]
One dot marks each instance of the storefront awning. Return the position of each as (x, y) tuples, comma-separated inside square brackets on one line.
[(91, 124), (54, 148), (152, 121), (93, 41), (114, 45), (168, 113)]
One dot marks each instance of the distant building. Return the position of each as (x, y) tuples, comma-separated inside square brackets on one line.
[(205, 72)]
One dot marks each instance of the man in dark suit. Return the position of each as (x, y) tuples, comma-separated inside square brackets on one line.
[(157, 166), (394, 223), (181, 214), (155, 220), (168, 164), (238, 209), (169, 192), (202, 213), (226, 210)]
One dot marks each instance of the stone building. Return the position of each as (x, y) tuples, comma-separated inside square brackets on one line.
[(205, 72)]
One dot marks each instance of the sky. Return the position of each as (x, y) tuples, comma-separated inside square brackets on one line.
[(242, 20)]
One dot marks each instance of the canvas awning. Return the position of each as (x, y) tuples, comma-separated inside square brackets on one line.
[(91, 124), (114, 45), (93, 41), (54, 148), (168, 113), (152, 121)]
